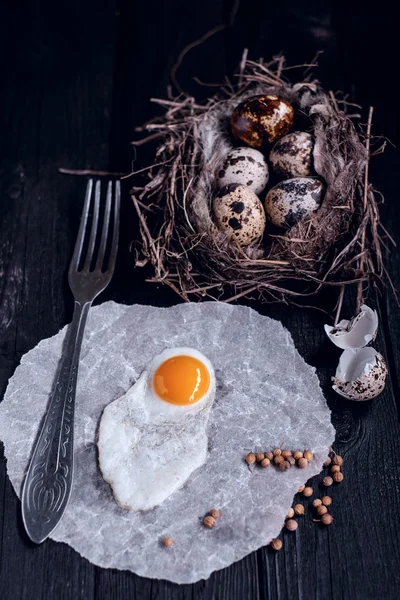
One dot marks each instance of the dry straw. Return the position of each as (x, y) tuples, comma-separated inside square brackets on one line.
[(340, 245)]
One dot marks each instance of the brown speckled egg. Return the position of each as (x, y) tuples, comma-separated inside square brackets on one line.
[(246, 166), (292, 200), (239, 213), (292, 155), (361, 374), (261, 120)]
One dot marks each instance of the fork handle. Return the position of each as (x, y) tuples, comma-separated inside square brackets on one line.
[(48, 482)]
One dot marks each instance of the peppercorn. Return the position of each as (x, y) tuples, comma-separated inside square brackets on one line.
[(326, 500), (299, 509), (167, 542), (317, 502), (250, 458), (338, 477), (337, 460), (327, 462), (259, 456), (327, 481), (297, 455), (269, 455), (308, 491), (265, 462), (301, 489), (302, 463), (284, 466), (290, 513), (322, 510), (277, 452), (278, 459), (209, 522), (214, 512), (291, 525), (308, 455), (335, 469), (276, 544), (291, 460), (286, 453), (326, 519)]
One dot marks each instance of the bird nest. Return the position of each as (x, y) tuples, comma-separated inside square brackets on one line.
[(338, 246)]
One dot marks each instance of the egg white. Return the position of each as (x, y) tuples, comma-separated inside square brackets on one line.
[(148, 447)]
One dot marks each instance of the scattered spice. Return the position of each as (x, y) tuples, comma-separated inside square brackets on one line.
[(326, 519), (265, 462), (327, 481), (167, 542), (290, 513), (291, 525), (278, 459), (250, 458), (326, 500), (338, 477), (317, 502), (259, 456), (298, 455), (308, 455), (322, 510), (335, 469), (337, 460), (214, 512), (302, 463), (277, 452), (209, 522), (327, 462), (286, 453), (276, 544), (269, 455), (301, 489), (299, 509), (284, 466), (291, 460), (308, 491)]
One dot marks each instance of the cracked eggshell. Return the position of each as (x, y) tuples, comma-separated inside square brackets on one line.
[(361, 374), (239, 213), (261, 120), (246, 166), (356, 333), (292, 200), (292, 155)]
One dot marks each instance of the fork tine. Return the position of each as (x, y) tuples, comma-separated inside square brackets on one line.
[(93, 231), (82, 227), (104, 233), (114, 245)]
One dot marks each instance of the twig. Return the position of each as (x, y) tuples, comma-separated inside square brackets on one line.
[(339, 306)]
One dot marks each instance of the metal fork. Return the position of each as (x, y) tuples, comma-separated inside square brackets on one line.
[(48, 482)]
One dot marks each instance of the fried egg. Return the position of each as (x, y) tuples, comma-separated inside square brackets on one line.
[(153, 438)]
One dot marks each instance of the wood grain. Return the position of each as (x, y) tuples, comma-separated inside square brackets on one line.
[(78, 83)]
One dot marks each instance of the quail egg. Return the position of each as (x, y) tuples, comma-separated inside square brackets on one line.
[(246, 166), (292, 155), (239, 213), (356, 333), (292, 200), (261, 120), (361, 374)]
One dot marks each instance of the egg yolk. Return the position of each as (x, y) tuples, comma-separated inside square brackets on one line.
[(181, 380)]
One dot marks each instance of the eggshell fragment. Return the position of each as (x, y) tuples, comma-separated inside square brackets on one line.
[(292, 200), (239, 213), (292, 155), (361, 374), (261, 120), (246, 166), (356, 333)]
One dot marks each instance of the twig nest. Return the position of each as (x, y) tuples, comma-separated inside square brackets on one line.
[(356, 333), (292, 200), (246, 166), (239, 213), (261, 120), (292, 155), (361, 374)]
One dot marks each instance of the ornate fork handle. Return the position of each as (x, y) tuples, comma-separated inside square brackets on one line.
[(48, 481)]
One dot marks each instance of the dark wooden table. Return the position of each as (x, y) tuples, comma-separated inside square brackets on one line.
[(76, 79)]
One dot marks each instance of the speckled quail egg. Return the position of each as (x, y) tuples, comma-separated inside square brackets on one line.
[(361, 374), (261, 120), (356, 333), (246, 166), (292, 200), (239, 213), (292, 155)]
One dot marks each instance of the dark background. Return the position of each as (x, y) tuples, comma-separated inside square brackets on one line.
[(76, 79)]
